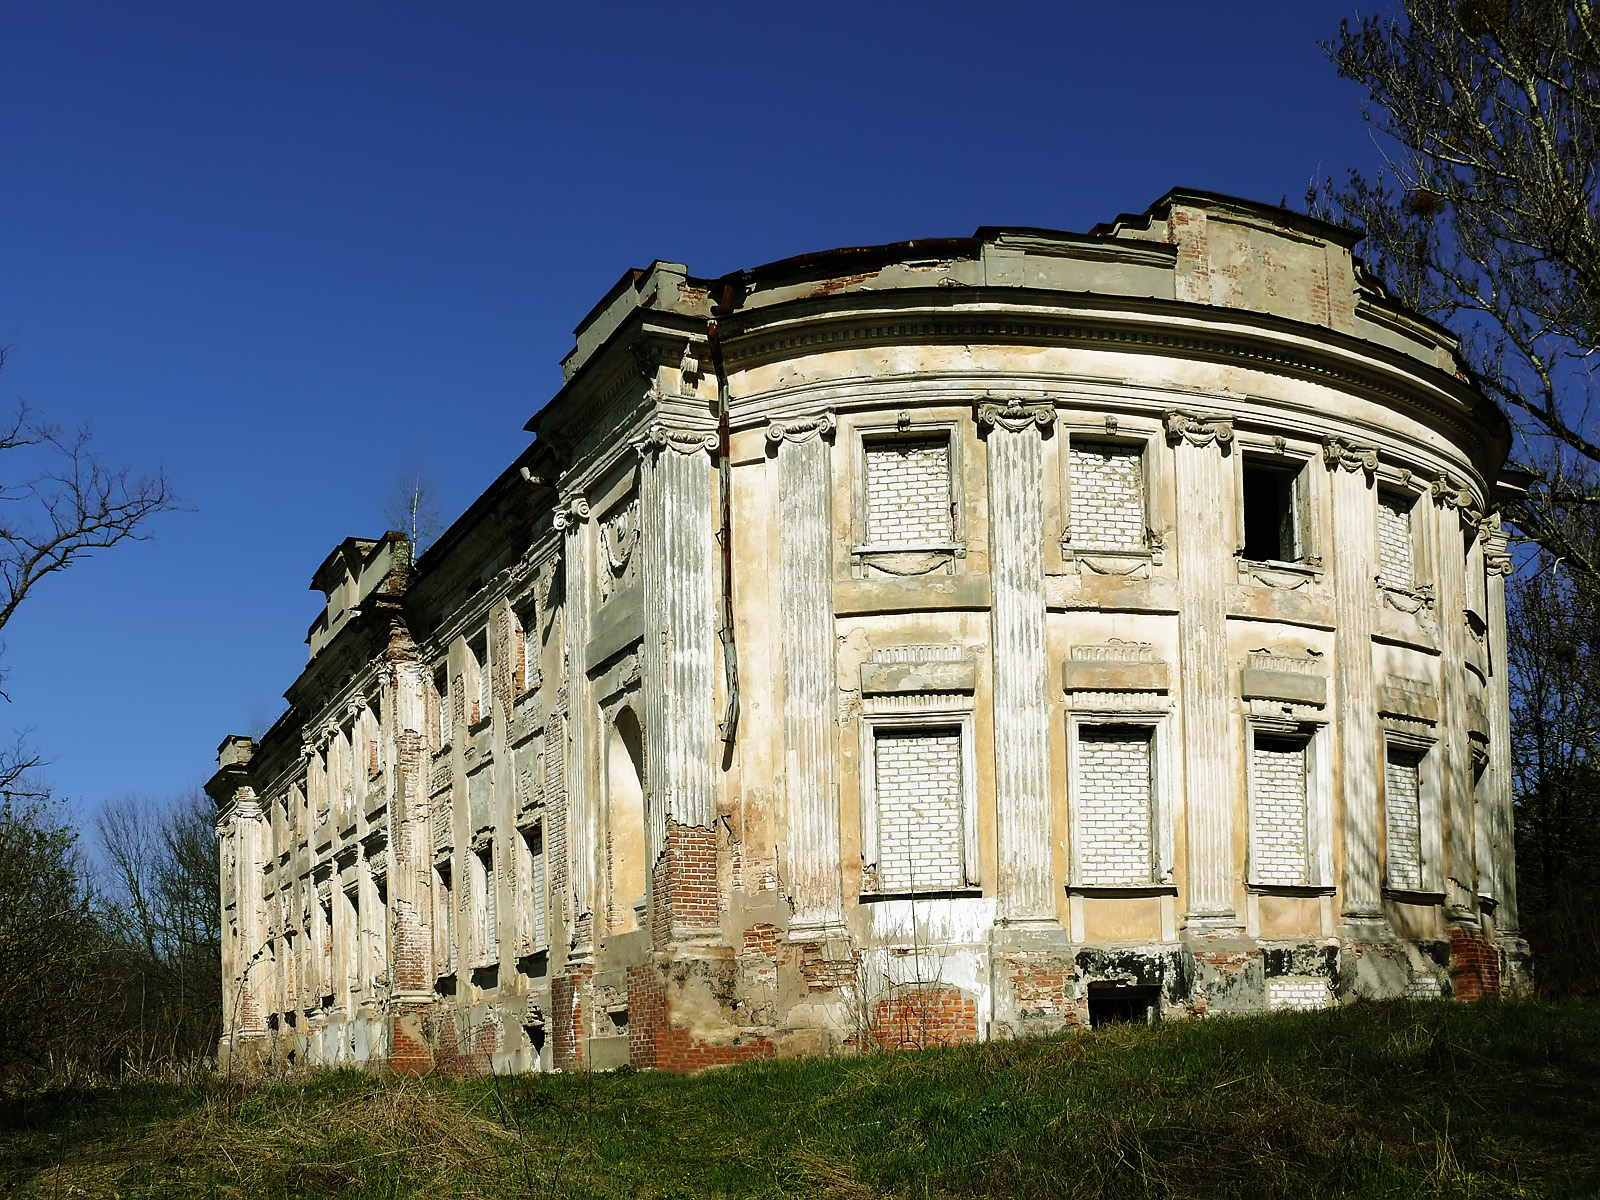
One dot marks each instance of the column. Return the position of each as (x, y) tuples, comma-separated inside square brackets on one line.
[(805, 573), (1355, 569), (410, 830), (1015, 433), (571, 520), (679, 567), (1502, 865), (1203, 468), (1458, 870)]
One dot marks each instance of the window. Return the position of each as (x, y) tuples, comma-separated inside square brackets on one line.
[(441, 707), (1397, 563), (1274, 509), (1278, 816), (478, 677), (908, 500), (444, 942), (1114, 811), (530, 848), (1107, 496), (1403, 787), (489, 931), (919, 816), (524, 650)]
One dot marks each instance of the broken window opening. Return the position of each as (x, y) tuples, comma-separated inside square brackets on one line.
[(1274, 517)]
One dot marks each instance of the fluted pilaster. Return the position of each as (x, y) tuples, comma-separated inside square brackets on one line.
[(583, 734), (679, 567), (806, 579), (1456, 518), (1502, 849), (1021, 677), (1203, 468), (1355, 568)]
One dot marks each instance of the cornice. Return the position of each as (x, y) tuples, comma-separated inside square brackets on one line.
[(1255, 340)]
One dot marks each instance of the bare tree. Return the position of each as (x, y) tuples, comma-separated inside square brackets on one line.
[(412, 507), (1488, 219)]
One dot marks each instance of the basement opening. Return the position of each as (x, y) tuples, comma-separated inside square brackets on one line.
[(1119, 1004)]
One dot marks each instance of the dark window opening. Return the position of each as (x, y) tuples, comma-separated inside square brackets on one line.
[(1116, 1004), (1272, 520)]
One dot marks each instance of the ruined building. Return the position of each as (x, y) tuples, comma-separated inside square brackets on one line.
[(947, 640)]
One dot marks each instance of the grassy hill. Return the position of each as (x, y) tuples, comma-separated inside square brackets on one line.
[(1373, 1100)]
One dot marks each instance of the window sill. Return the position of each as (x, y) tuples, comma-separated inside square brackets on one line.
[(1121, 890), (1290, 889), (1419, 896), (963, 893), (1276, 574), (956, 548)]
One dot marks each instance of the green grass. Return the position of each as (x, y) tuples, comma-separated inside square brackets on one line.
[(1373, 1100)]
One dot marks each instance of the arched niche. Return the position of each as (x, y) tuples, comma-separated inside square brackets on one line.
[(625, 827)]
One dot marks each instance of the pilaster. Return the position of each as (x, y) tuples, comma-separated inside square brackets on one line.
[(1355, 568), (1014, 433), (1497, 816), (806, 582), (583, 738), (1203, 469), (679, 568), (1457, 518)]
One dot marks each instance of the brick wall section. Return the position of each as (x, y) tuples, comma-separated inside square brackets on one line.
[(1297, 994), (647, 1015), (685, 890), (1040, 991), (1280, 812), (1474, 965), (822, 974), (1394, 541), (1114, 804), (919, 811), (924, 1016), (567, 994), (1107, 496), (908, 493), (1401, 808)]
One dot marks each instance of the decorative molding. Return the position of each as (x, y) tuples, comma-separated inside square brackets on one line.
[(572, 510), (1451, 494), (803, 430), (619, 538), (1496, 546), (1198, 429), (1339, 454), (1015, 415), (660, 436), (1408, 600)]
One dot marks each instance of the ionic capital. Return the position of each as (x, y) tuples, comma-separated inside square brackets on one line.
[(1198, 429), (803, 430), (1451, 494), (1340, 455), (1015, 415), (572, 510), (1496, 545), (660, 436)]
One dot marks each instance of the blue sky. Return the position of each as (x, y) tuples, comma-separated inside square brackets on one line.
[(281, 249)]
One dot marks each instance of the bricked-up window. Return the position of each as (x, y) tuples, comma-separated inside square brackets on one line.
[(530, 871), (908, 495), (1275, 509), (1402, 780), (444, 940), (489, 931), (478, 677), (920, 809), (1396, 552), (1107, 496), (441, 706), (1115, 805), (1278, 810), (524, 671)]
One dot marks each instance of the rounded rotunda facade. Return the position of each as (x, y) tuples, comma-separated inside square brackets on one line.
[(895, 646)]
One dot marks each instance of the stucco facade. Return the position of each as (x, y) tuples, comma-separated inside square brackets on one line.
[(953, 639)]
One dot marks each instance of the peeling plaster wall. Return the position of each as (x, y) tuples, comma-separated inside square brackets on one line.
[(985, 496)]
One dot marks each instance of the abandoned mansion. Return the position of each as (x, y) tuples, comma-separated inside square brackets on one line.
[(903, 645)]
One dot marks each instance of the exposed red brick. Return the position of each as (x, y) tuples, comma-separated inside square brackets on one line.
[(1474, 965)]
